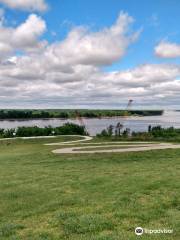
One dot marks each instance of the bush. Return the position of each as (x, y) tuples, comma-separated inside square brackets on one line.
[(66, 129), (153, 133)]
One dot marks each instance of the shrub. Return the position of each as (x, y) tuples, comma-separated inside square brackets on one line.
[(66, 129)]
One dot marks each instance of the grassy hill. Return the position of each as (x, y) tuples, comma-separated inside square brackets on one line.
[(86, 197)]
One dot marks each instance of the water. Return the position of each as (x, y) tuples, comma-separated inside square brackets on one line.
[(94, 126)]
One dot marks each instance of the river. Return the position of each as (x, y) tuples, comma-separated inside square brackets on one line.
[(95, 125)]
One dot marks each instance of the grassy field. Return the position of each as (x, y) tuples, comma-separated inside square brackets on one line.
[(86, 197)]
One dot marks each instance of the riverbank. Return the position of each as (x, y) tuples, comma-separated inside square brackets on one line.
[(96, 125), (71, 114)]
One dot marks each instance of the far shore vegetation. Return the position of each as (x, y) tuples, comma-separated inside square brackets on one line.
[(153, 133), (69, 113)]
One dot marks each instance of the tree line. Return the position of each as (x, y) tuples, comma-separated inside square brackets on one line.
[(153, 133), (65, 114), (66, 129)]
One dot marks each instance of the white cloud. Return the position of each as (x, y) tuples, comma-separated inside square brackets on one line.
[(27, 34), (89, 48), (25, 37), (29, 5), (70, 73), (88, 86), (167, 50)]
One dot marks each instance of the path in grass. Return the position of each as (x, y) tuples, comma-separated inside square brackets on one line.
[(136, 147), (108, 147), (84, 138)]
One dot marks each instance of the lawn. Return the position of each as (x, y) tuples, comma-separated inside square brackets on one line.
[(44, 196)]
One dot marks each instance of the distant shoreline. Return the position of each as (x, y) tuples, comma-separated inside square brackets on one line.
[(65, 119), (24, 115)]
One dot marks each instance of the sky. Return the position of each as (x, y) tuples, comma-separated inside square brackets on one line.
[(89, 54)]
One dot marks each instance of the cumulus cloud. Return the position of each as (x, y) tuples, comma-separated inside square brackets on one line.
[(24, 37), (70, 73), (100, 48), (88, 86), (27, 34), (29, 5), (167, 50)]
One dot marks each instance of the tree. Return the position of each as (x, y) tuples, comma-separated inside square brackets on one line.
[(110, 130), (118, 129), (149, 128)]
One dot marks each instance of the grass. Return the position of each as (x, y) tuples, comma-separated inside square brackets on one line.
[(86, 196)]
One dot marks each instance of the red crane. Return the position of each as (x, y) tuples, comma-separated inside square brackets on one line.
[(80, 119), (129, 105)]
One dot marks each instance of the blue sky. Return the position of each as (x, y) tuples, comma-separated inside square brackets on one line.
[(159, 19), (156, 49)]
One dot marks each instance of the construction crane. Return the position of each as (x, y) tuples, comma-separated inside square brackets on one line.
[(80, 119), (128, 108), (129, 105), (119, 125)]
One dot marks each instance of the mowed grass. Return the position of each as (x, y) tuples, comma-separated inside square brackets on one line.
[(44, 196)]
